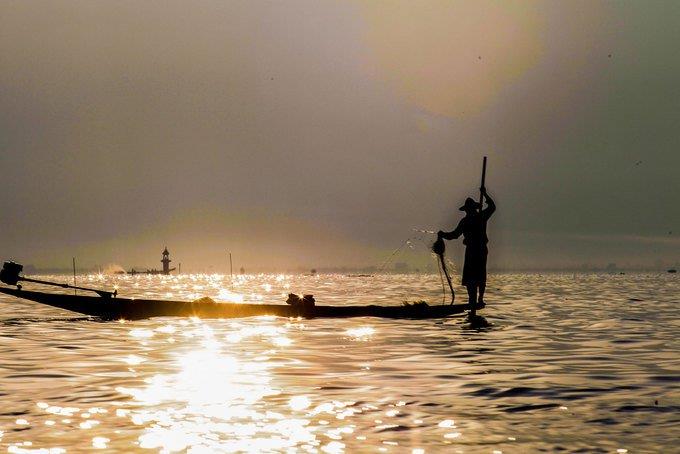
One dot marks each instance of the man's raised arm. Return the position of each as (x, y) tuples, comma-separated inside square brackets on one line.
[(490, 206)]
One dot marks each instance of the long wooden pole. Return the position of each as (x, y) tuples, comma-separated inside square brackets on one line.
[(231, 268), (473, 309), (103, 293), (481, 188)]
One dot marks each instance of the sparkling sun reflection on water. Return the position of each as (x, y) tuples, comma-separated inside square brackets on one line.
[(559, 371), (221, 398)]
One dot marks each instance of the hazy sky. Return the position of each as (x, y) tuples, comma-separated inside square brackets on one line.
[(316, 133)]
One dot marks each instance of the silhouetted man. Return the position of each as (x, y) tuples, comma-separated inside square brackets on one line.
[(473, 229)]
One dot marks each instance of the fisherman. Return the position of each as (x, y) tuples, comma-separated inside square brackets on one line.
[(473, 229)]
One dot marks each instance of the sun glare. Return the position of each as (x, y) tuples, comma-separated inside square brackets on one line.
[(360, 333), (214, 400), (227, 295)]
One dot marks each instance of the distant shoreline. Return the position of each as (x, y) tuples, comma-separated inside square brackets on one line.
[(361, 272)]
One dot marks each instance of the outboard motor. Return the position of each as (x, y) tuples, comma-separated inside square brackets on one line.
[(10, 273)]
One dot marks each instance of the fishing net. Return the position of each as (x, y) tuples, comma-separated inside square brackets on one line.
[(439, 248)]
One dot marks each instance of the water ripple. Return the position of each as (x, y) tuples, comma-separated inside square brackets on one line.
[(573, 363)]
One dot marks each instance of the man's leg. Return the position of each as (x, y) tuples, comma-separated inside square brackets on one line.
[(472, 294), (472, 298), (482, 276)]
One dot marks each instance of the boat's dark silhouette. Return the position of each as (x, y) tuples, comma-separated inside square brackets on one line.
[(134, 309)]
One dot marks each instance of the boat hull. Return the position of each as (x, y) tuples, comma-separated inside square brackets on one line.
[(137, 309)]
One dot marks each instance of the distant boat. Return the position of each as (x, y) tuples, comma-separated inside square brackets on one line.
[(136, 309), (152, 271), (166, 266), (672, 270)]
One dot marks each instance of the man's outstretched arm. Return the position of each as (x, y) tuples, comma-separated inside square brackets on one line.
[(452, 235)]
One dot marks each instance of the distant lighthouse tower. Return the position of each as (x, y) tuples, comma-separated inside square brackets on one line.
[(166, 261)]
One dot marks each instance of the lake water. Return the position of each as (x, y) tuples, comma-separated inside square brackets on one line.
[(572, 363)]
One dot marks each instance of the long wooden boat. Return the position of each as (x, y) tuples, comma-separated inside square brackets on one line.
[(136, 309)]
